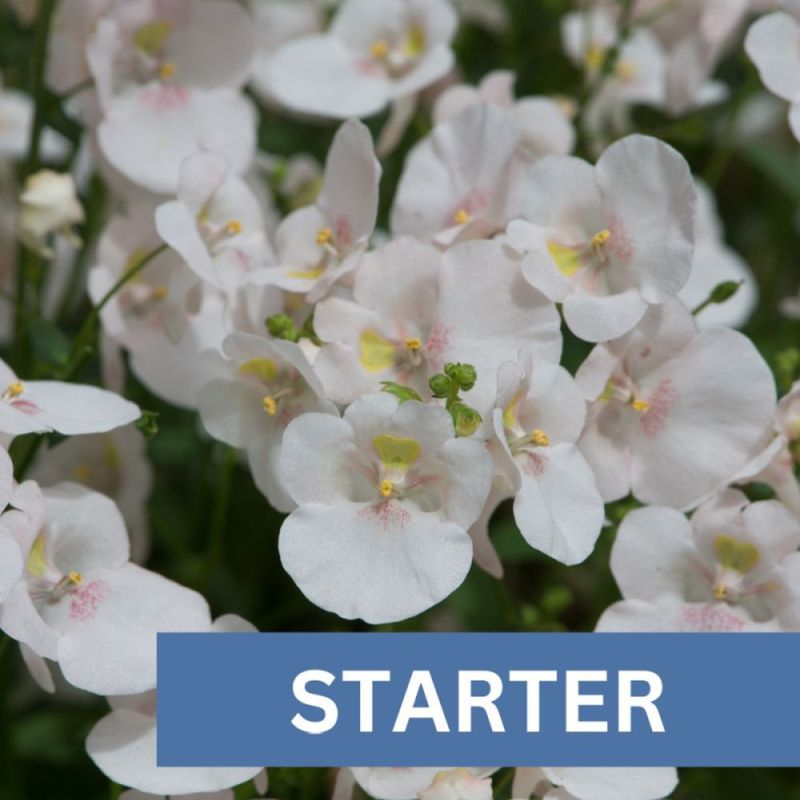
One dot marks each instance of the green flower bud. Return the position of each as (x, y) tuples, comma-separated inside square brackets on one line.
[(463, 375), (465, 419), (440, 385), (724, 291), (403, 393), (282, 326), (148, 423)]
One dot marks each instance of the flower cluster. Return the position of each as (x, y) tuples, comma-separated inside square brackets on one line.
[(390, 365)]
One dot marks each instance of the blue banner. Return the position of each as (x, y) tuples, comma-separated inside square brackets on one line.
[(478, 699)]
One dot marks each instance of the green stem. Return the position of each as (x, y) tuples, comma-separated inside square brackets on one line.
[(27, 458), (503, 782), (219, 517), (82, 347), (26, 260)]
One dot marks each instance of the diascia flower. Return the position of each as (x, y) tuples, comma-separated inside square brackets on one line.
[(594, 783), (321, 244), (407, 783), (11, 565), (257, 386), (68, 408), (456, 181), (415, 310), (215, 224), (123, 743), (714, 263), (606, 241), (80, 602), (138, 42), (146, 135), (773, 44), (538, 417), (734, 567), (546, 129), (669, 419), (375, 51), (113, 463), (385, 497)]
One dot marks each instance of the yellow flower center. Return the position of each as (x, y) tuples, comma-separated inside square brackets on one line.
[(324, 236), (599, 239), (385, 488), (462, 216), (270, 405), (642, 406), (379, 49), (13, 390), (539, 438), (413, 344), (234, 227), (166, 70)]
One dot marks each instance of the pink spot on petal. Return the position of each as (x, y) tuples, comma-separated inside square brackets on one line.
[(475, 203), (366, 66), (654, 420), (25, 406), (709, 618), (387, 514), (165, 97), (343, 232), (437, 344), (535, 464), (86, 599), (620, 244)]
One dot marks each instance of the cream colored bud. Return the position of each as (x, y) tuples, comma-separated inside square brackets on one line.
[(48, 204)]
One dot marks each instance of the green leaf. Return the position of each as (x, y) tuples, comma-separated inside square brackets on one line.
[(50, 345)]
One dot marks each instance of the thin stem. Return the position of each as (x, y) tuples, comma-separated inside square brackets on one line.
[(26, 260), (219, 518), (82, 347)]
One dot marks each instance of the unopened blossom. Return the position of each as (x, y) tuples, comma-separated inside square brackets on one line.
[(215, 224), (375, 52), (81, 603), (387, 468), (414, 310), (773, 44), (147, 134), (407, 783), (546, 129), (669, 418), (49, 204), (256, 387), (123, 743), (320, 244), (594, 783), (606, 241), (114, 464), (455, 183), (458, 784), (538, 417), (68, 408), (733, 567), (715, 263), (146, 42)]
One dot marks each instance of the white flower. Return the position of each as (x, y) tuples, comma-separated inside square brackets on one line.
[(123, 743), (376, 51), (48, 204), (715, 262), (139, 41), (68, 408), (415, 309), (594, 783), (734, 567), (321, 244), (406, 783), (257, 387), (16, 117), (147, 134), (456, 181), (670, 420), (216, 224), (114, 464), (546, 129), (392, 468), (610, 240), (81, 603), (458, 784), (773, 44), (538, 417)]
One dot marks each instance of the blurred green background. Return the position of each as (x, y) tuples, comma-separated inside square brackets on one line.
[(213, 531)]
